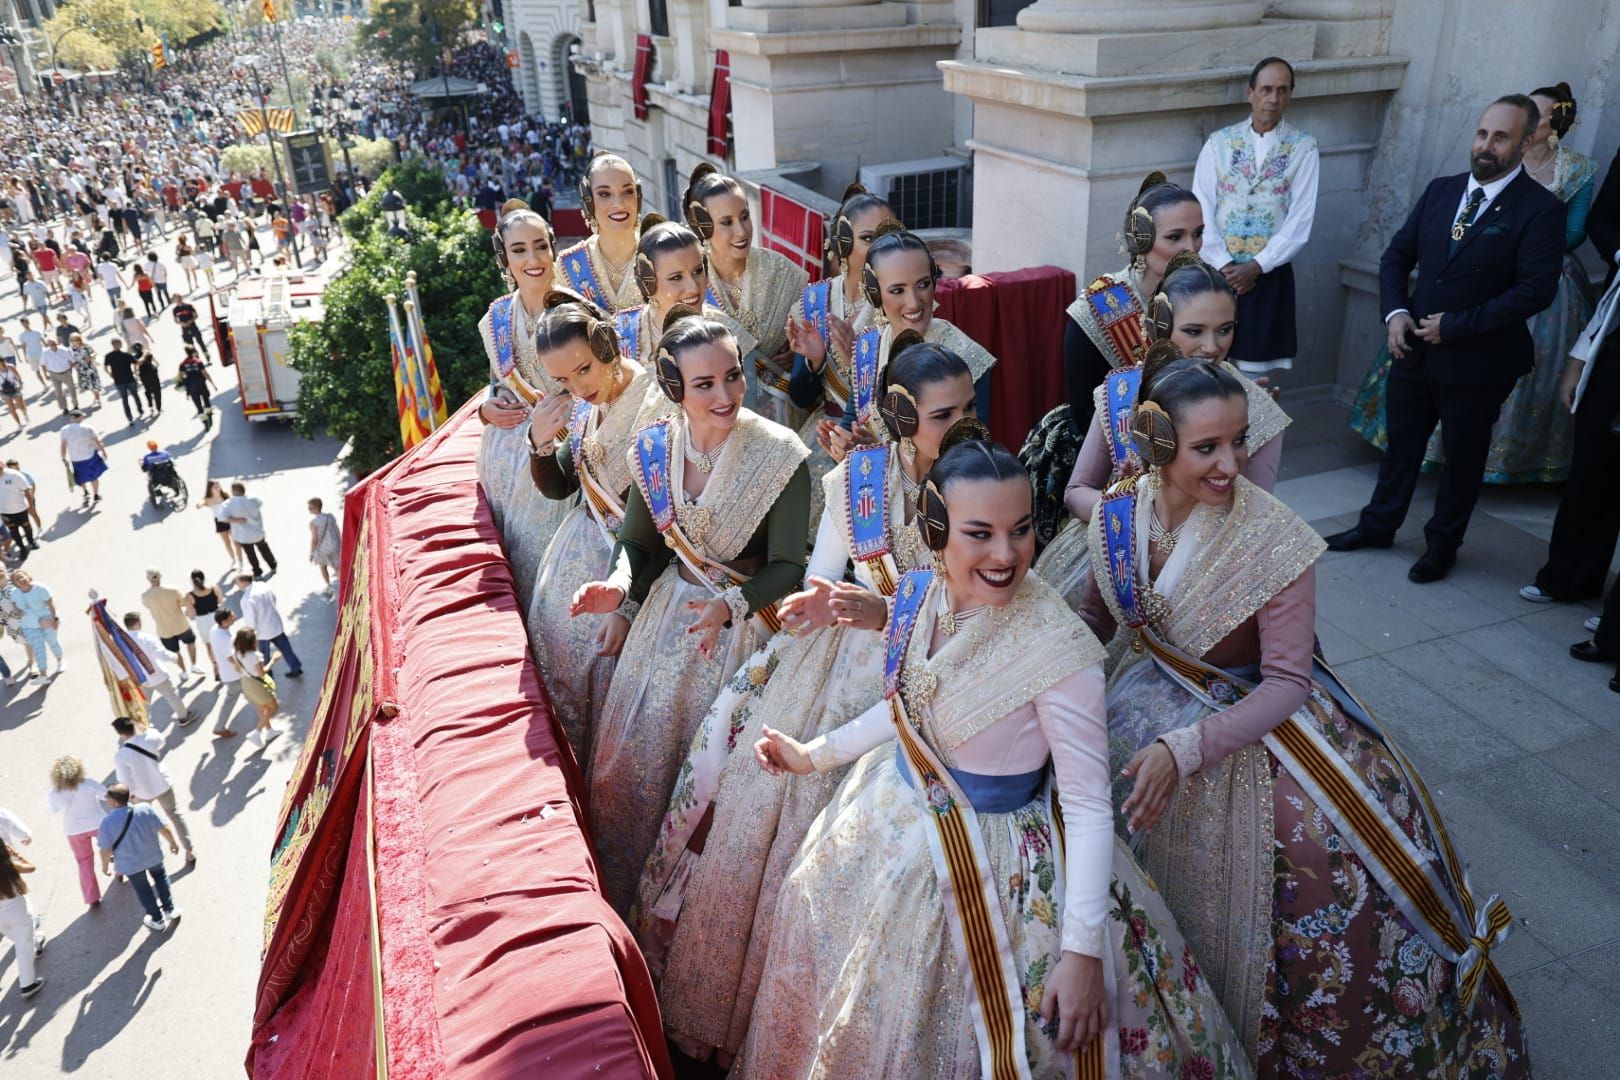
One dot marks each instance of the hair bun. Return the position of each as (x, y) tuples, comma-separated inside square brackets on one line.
[(887, 226), (677, 312), (1151, 180), (651, 219), (1159, 352), (904, 340), (967, 429), (559, 297), (1160, 319), (511, 206), (1183, 259), (702, 169)]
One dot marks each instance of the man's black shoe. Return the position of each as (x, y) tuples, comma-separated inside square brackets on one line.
[(1614, 684), (1357, 538), (1589, 652), (1432, 567)]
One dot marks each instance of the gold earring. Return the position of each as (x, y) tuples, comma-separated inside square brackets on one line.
[(908, 449)]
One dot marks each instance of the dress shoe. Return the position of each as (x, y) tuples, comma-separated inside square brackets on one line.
[(1588, 651), (1357, 538), (1614, 684), (1433, 566)]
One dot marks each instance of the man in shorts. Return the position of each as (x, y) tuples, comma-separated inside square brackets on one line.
[(169, 617), (14, 507)]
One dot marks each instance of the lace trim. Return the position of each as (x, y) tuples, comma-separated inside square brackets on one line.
[(1187, 747), (1085, 940)]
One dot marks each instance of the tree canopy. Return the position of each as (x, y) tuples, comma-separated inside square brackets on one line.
[(418, 31), (346, 369), (101, 34)]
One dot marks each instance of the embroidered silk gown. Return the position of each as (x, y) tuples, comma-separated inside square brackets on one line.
[(564, 648), (750, 517), (1322, 969), (582, 269), (768, 289), (525, 518), (865, 975), (704, 920), (1108, 455)]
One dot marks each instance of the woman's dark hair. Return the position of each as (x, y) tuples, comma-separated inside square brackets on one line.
[(1156, 193), (923, 365), (515, 212), (1167, 390), (12, 884), (857, 201), (706, 182), (1164, 195), (567, 318), (967, 452), (666, 236), (245, 640), (688, 329), (1193, 277), (1563, 108), (199, 577), (895, 239)]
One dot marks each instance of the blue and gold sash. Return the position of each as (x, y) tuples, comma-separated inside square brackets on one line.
[(864, 372), (967, 887), (1441, 906), (602, 504), (655, 476), (1120, 389), (581, 275), (627, 324), (866, 507), (814, 303), (1119, 316), (500, 329)]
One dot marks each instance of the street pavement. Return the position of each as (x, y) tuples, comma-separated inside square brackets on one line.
[(1519, 742), (118, 997)]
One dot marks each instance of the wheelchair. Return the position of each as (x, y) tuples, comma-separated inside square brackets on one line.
[(165, 487)]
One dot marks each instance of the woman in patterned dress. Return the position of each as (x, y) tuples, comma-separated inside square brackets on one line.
[(1294, 842), (941, 919)]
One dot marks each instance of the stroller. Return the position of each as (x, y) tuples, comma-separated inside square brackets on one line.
[(163, 483)]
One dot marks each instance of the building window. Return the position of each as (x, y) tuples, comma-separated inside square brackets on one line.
[(590, 11), (1001, 12), (658, 12)]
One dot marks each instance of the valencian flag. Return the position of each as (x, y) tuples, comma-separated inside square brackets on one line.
[(253, 121), (124, 664), (415, 404), (159, 61), (424, 350)]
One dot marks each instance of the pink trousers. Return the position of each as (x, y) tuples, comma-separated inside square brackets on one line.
[(84, 851)]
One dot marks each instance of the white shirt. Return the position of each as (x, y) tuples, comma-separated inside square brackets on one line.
[(33, 343), (79, 440), (57, 360), (221, 642), (159, 272), (12, 829), (1492, 190), (251, 529), (109, 275), (1295, 230), (145, 778), (155, 652), (13, 491), (259, 611), (81, 808)]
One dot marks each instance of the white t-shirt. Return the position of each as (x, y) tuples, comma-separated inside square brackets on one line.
[(33, 343), (81, 808), (109, 274), (145, 778), (250, 530), (221, 641), (57, 360), (79, 440), (13, 492)]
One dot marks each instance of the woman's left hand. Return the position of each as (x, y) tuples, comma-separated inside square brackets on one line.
[(713, 615), (1156, 778), (610, 638), (858, 607), (1077, 999)]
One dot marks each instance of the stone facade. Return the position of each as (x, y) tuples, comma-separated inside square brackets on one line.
[(1064, 113), (542, 32)]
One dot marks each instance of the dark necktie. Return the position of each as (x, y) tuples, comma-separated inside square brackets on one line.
[(1465, 219)]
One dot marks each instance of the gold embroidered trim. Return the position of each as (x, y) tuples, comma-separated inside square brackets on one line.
[(770, 285), (607, 447), (627, 294), (995, 664), (1266, 418), (1081, 312), (531, 376)]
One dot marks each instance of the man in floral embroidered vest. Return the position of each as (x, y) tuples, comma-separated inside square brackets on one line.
[(1257, 183)]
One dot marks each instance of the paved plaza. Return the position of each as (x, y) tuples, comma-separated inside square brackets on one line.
[(1520, 742)]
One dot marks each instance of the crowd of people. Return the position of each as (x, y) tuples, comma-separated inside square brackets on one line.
[(907, 753)]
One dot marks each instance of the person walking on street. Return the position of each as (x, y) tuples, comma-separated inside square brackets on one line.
[(196, 381), (11, 620), (57, 359), (157, 680), (77, 798), (222, 647), (11, 390), (201, 601), (17, 920), (128, 838), (33, 351), (85, 454), (134, 329), (14, 506), (84, 367), (257, 684), (13, 830), (159, 274), (215, 500), (246, 515), (185, 314), (138, 762), (325, 543), (173, 625), (121, 367), (33, 492), (146, 370), (39, 621), (260, 612)]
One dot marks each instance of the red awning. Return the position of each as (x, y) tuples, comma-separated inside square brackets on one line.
[(638, 83), (720, 105)]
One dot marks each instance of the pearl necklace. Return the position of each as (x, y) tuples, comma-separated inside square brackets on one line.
[(1159, 536), (705, 462), (952, 621)]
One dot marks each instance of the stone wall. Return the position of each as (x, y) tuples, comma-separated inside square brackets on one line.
[(540, 31)]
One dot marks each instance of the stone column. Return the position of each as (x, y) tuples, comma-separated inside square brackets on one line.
[(1343, 27), (816, 80), (1084, 97)]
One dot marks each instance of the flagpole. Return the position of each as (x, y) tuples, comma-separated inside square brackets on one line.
[(418, 329)]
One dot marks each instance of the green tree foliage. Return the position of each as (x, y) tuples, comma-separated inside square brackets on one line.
[(417, 31), (370, 157), (346, 369), (101, 34), (179, 20)]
